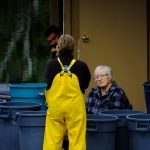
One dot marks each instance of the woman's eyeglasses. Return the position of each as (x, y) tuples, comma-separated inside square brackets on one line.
[(100, 76)]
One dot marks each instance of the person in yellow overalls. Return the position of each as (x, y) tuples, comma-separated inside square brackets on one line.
[(67, 80)]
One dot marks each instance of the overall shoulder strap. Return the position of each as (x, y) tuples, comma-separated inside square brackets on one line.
[(66, 68), (71, 64), (60, 62)]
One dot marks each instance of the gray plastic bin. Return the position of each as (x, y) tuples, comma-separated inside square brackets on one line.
[(9, 133), (101, 132), (147, 95), (139, 132), (2, 101), (122, 137), (31, 129)]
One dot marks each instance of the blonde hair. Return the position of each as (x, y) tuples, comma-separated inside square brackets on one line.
[(65, 42)]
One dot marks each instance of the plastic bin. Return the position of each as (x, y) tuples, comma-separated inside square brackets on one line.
[(139, 132), (32, 124), (13, 107), (101, 132), (122, 137), (2, 101), (28, 92), (9, 133), (31, 129), (4, 91), (147, 95)]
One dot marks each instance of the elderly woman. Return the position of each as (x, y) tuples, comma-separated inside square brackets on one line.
[(107, 94), (67, 80)]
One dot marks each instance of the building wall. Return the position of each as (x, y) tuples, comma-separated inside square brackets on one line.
[(117, 32)]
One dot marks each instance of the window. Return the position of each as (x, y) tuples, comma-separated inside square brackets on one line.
[(24, 50)]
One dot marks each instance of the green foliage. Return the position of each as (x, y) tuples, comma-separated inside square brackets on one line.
[(23, 48)]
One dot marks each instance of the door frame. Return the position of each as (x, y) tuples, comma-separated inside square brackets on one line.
[(148, 40)]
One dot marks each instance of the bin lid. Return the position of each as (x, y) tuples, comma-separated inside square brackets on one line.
[(2, 101), (19, 105), (31, 119), (139, 117), (122, 113), (28, 85), (31, 113), (101, 118), (139, 123)]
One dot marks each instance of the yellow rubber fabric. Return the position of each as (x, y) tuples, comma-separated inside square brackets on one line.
[(66, 112)]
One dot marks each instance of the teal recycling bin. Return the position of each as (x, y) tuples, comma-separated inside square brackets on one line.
[(9, 133), (28, 92), (122, 136), (139, 131), (31, 129), (101, 132)]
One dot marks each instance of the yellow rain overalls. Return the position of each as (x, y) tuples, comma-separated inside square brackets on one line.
[(66, 112)]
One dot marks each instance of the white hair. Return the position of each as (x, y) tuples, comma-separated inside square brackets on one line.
[(106, 69)]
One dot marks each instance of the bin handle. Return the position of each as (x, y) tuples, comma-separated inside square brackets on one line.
[(93, 128), (142, 126), (41, 94), (16, 117), (6, 116)]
